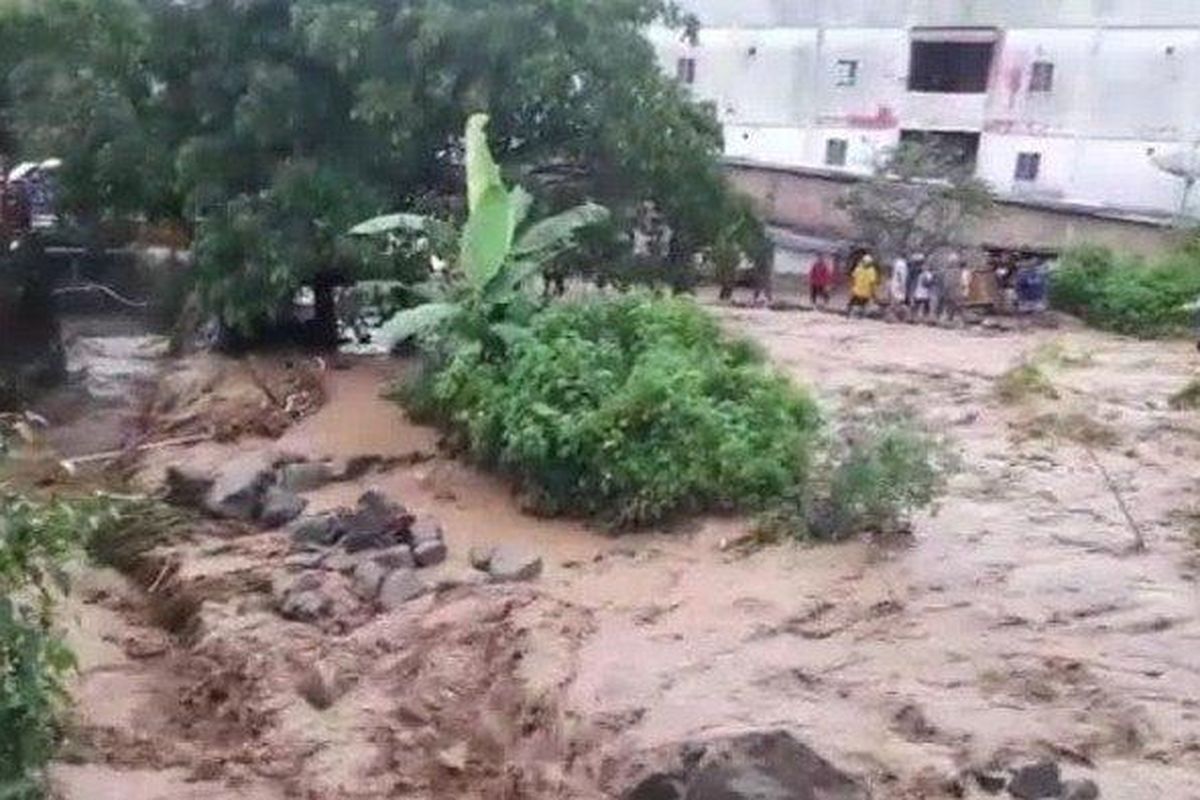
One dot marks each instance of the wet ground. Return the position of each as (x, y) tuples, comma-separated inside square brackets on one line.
[(1020, 620)]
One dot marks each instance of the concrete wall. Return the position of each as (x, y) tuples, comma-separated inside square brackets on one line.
[(806, 201), (1126, 85)]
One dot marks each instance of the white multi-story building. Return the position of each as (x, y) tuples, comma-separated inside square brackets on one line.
[(1060, 103)]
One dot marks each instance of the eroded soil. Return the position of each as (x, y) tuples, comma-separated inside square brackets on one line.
[(1020, 619)]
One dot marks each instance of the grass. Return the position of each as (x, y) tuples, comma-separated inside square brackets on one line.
[(1023, 382), (1072, 426), (1187, 398)]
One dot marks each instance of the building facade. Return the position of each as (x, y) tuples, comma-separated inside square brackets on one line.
[(1064, 104)]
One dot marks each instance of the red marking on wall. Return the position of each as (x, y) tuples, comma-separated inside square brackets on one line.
[(883, 117)]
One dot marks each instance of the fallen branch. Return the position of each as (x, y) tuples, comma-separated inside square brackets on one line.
[(105, 290), (110, 455), (1139, 540)]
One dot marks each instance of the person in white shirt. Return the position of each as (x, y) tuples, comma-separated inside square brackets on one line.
[(899, 283)]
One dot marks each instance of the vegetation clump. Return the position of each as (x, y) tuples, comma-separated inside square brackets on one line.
[(1024, 381), (1188, 397), (629, 409), (1127, 294)]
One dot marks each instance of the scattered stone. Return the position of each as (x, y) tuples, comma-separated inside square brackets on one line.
[(279, 507), (305, 476), (368, 577), (397, 557), (990, 782), (307, 559), (320, 684), (911, 723), (481, 557), (302, 599), (377, 523), (429, 552), (306, 606), (425, 529), (146, 644), (399, 587), (1082, 789), (238, 490), (658, 787), (454, 758), (319, 529), (1036, 781), (343, 562), (510, 564), (188, 486)]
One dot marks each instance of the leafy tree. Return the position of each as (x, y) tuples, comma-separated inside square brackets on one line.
[(498, 253), (920, 199), (205, 113)]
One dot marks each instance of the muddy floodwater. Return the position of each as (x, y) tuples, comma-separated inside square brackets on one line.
[(1022, 618)]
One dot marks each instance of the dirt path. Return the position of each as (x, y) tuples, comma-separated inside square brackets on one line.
[(1018, 621)]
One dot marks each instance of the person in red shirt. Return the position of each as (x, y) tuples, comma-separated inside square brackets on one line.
[(820, 280)]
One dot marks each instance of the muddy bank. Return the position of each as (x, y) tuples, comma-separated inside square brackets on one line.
[(1018, 623)]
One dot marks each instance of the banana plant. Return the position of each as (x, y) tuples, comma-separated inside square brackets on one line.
[(499, 252)]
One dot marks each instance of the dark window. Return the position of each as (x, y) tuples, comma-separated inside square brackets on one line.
[(951, 67), (835, 152), (845, 72), (685, 70), (1028, 165), (956, 146), (1041, 77)]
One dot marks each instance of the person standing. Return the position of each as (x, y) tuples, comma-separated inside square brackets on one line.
[(899, 282), (923, 292), (820, 280), (864, 280)]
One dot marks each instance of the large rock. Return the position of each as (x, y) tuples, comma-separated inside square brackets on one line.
[(377, 522), (769, 766), (1036, 781), (187, 485), (303, 599), (319, 529), (429, 552), (658, 787), (511, 564), (305, 476), (238, 490), (425, 528), (1082, 789), (368, 577), (396, 557), (279, 507), (399, 587)]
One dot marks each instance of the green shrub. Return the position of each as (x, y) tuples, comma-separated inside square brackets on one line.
[(1024, 381), (629, 410), (1127, 295), (873, 478), (36, 537)]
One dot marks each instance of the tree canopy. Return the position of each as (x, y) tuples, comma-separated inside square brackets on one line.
[(269, 126)]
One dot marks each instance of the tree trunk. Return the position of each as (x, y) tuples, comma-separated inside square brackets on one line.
[(325, 321)]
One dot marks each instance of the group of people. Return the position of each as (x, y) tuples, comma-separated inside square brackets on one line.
[(912, 288)]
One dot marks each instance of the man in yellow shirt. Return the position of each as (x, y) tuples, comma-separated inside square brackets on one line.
[(863, 282)]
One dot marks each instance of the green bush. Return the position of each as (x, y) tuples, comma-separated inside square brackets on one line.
[(36, 537), (1127, 295), (629, 410), (872, 478)]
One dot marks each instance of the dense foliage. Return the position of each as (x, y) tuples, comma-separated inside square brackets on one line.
[(1127, 294), (271, 126), (630, 410), (36, 537)]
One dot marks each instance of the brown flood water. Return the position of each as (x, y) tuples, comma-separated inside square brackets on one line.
[(1016, 622)]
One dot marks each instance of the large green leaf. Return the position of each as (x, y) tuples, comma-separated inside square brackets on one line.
[(482, 172), (519, 203), (486, 238), (552, 235), (415, 322), (408, 223)]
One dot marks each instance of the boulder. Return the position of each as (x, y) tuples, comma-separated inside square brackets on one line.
[(320, 684), (399, 587), (425, 528), (303, 599), (1035, 781), (481, 557), (187, 485), (769, 766), (319, 529), (368, 577), (356, 466), (376, 523), (396, 557), (279, 507), (658, 787), (305, 476), (238, 490), (1082, 789), (511, 564), (429, 552)]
